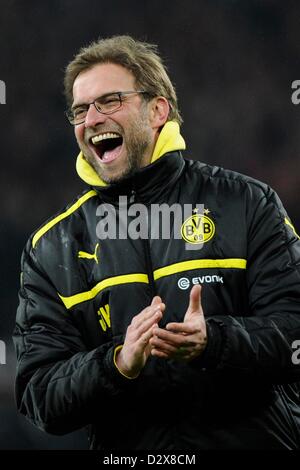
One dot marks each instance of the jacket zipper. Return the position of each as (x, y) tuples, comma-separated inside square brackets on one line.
[(147, 252)]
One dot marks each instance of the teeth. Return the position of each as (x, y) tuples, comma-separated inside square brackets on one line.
[(109, 135)]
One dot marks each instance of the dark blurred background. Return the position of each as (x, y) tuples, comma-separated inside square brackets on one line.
[(233, 64)]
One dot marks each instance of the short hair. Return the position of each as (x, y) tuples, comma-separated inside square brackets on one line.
[(140, 58)]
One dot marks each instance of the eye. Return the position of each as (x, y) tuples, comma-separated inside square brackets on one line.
[(77, 112), (108, 104), (110, 99)]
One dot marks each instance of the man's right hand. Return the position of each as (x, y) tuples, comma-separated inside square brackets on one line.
[(136, 348)]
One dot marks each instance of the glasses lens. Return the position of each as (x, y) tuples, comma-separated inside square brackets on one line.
[(108, 104), (77, 115)]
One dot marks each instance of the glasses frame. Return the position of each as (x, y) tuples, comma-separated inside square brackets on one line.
[(121, 94)]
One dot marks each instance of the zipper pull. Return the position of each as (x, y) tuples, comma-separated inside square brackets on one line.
[(132, 196)]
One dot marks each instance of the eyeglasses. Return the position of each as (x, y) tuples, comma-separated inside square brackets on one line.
[(105, 104)]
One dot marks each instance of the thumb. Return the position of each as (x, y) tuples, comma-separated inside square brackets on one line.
[(195, 298), (156, 301)]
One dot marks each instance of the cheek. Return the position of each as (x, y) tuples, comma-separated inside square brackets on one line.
[(79, 133)]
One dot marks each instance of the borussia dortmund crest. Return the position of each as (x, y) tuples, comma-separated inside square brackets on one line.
[(199, 228)]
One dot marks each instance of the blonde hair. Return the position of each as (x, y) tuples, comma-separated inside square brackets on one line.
[(140, 58)]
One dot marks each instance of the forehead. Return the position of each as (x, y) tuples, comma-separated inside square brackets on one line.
[(101, 79)]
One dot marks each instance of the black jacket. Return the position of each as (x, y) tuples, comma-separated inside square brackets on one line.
[(79, 294)]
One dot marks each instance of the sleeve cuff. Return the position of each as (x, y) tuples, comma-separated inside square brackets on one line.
[(211, 357), (116, 350)]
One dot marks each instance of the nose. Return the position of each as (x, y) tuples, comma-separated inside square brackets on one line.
[(93, 117)]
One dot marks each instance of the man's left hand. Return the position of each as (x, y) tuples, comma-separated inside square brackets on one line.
[(183, 341)]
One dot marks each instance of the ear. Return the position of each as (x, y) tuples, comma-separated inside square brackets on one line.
[(159, 112)]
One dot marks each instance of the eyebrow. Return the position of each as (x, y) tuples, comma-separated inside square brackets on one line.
[(98, 97)]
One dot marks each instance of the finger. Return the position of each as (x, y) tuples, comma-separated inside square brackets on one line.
[(195, 298), (175, 339), (136, 330), (156, 300), (143, 340), (148, 312), (158, 353), (184, 328), (183, 356), (158, 343)]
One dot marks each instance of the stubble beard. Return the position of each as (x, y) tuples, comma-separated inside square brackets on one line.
[(137, 142)]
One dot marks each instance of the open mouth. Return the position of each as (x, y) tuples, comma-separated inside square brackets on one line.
[(107, 146)]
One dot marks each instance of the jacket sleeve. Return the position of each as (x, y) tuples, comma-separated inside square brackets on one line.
[(59, 383), (260, 342)]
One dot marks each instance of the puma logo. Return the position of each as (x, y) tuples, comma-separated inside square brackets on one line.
[(84, 254)]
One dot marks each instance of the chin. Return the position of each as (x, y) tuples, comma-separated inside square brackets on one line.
[(114, 178)]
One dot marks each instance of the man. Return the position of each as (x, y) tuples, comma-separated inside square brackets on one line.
[(115, 332)]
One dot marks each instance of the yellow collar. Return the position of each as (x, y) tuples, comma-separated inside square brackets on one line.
[(169, 140)]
